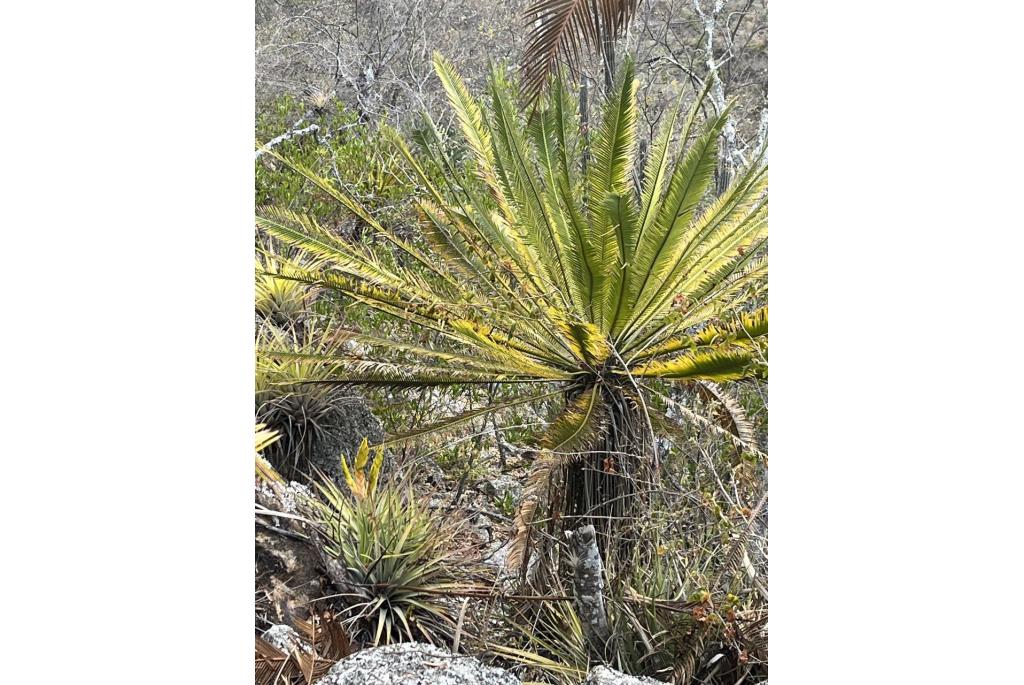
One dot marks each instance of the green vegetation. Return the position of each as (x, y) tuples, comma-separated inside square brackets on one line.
[(551, 270), (389, 557), (549, 281), (341, 142), (286, 401)]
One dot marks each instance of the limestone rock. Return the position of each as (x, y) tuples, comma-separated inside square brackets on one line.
[(602, 675), (413, 663), (286, 639)]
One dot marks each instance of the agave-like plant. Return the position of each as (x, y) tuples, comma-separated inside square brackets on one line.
[(387, 556), (553, 267)]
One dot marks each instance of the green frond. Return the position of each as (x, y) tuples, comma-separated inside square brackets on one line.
[(585, 339), (534, 218), (346, 200), (614, 145), (471, 121), (496, 345), (391, 374), (265, 437), (661, 247), (305, 233), (742, 331), (716, 364), (611, 214), (579, 426), (380, 347), (655, 173), (615, 302)]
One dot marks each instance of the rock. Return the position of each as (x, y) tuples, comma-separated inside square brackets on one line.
[(483, 529), (282, 497), (352, 422), (286, 639), (588, 585), (287, 576), (502, 486), (413, 663), (602, 675), (427, 471), (496, 557)]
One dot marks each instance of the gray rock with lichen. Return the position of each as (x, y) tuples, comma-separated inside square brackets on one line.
[(286, 639), (502, 486), (602, 675), (412, 663)]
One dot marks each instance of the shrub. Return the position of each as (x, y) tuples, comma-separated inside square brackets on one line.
[(681, 611), (372, 172)]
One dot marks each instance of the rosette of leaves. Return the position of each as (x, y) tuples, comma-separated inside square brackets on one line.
[(386, 556), (560, 267)]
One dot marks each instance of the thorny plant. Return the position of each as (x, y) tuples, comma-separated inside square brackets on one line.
[(388, 557)]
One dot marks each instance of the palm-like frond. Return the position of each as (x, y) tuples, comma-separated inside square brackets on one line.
[(731, 412), (559, 29), (537, 272)]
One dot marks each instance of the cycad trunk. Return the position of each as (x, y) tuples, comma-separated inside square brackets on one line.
[(608, 486)]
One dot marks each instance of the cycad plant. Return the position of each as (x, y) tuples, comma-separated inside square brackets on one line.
[(564, 270)]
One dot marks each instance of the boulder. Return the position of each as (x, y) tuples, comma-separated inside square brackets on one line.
[(413, 663), (287, 567), (352, 422), (287, 577), (602, 675)]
